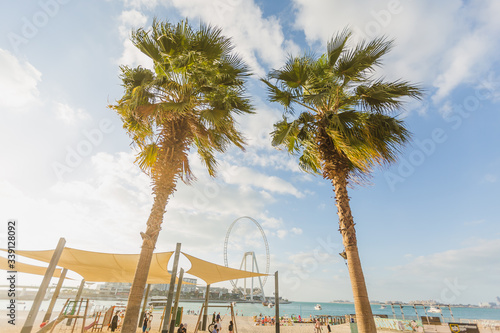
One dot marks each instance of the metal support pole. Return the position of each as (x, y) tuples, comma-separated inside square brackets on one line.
[(276, 303), (253, 268), (236, 281), (245, 280), (176, 302), (260, 280), (170, 296), (55, 295), (78, 296), (144, 303), (28, 324), (205, 310)]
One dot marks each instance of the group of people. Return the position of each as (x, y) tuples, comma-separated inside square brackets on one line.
[(264, 320), (217, 324), (218, 327), (147, 322), (182, 328)]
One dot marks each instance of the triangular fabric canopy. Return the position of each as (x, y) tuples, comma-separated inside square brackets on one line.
[(27, 268), (212, 273), (105, 267), (109, 267)]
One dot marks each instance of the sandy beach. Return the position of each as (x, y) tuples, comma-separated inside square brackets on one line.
[(244, 325)]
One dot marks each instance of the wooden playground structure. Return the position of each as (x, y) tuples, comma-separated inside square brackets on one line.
[(72, 312)]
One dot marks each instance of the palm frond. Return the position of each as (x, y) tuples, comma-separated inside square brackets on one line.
[(285, 98), (147, 157), (344, 122), (310, 160), (191, 98), (386, 96), (356, 63), (206, 155), (336, 46)]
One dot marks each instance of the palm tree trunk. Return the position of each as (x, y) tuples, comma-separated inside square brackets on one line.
[(168, 167), (141, 273), (364, 316)]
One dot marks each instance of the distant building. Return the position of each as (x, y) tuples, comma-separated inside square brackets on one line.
[(188, 285), (114, 288)]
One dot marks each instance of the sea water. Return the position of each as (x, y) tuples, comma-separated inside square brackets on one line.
[(304, 309)]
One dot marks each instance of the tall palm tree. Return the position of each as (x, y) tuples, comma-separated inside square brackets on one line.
[(188, 101), (344, 129)]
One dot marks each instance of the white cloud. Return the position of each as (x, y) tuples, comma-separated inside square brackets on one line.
[(446, 109), (130, 20), (259, 40), (490, 178), (271, 222), (282, 233), (70, 115), (88, 213), (304, 266), (150, 4), (18, 81), (444, 44), (246, 177), (463, 62), (450, 276)]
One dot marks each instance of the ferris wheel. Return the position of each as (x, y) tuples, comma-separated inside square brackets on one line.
[(268, 260)]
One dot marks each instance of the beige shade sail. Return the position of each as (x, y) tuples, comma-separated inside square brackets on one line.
[(105, 267), (109, 267), (212, 273), (27, 268)]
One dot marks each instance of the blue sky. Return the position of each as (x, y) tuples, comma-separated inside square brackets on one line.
[(428, 227)]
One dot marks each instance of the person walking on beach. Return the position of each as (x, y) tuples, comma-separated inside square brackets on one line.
[(218, 317), (213, 318), (218, 325), (230, 328), (114, 322), (145, 323), (150, 321), (328, 327), (317, 326)]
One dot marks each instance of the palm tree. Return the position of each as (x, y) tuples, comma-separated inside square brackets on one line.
[(344, 129), (188, 101)]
